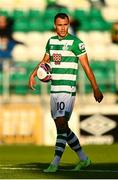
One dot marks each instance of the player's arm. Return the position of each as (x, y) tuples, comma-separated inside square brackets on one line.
[(32, 82), (85, 64)]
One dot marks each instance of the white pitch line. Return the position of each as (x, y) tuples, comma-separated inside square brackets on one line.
[(33, 168), (11, 165), (18, 168)]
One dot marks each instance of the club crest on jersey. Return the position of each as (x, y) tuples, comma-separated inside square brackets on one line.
[(81, 46), (65, 47), (57, 58)]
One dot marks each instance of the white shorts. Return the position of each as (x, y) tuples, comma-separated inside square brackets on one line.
[(61, 105)]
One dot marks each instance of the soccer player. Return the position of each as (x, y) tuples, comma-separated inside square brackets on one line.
[(63, 52)]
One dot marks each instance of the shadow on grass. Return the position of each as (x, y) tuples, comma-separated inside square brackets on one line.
[(95, 171)]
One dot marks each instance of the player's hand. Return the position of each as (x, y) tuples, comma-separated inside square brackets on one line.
[(98, 95), (32, 82)]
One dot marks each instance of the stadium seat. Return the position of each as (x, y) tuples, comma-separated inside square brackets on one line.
[(30, 65), (4, 12), (71, 5), (80, 14), (19, 14), (34, 13), (96, 36), (7, 5), (102, 38), (20, 25), (47, 35), (81, 4), (36, 52), (91, 20), (112, 52), (20, 53), (18, 81), (105, 74), (35, 38), (98, 25), (76, 4), (107, 37), (35, 17), (98, 52), (36, 25), (48, 19), (22, 4), (112, 3), (37, 4), (24, 70), (85, 26), (112, 16), (23, 64), (95, 13), (20, 36), (112, 73)]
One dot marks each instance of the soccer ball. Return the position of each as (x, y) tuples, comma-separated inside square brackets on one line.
[(44, 72)]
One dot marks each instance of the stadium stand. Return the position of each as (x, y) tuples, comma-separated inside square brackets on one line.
[(33, 24)]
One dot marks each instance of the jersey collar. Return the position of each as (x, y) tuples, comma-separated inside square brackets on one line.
[(65, 37)]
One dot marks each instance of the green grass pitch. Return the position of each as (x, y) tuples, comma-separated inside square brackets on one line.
[(28, 162)]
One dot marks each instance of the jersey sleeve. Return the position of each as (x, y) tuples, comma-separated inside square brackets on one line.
[(47, 47), (79, 48)]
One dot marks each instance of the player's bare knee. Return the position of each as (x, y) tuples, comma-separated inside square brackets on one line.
[(61, 124)]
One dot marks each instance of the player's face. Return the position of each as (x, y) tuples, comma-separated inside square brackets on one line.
[(61, 26)]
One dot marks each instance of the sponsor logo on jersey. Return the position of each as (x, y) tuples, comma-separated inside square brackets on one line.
[(57, 58)]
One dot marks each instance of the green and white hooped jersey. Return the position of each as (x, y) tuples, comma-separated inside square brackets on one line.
[(64, 55)]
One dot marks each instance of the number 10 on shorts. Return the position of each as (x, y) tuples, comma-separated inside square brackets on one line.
[(60, 106)]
